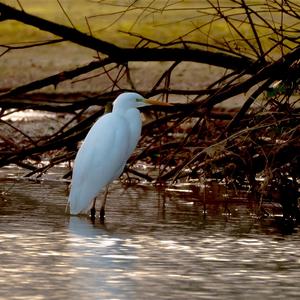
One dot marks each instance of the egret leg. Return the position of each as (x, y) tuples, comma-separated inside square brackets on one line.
[(93, 210), (102, 208)]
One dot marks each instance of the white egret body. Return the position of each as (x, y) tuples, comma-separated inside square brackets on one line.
[(105, 151)]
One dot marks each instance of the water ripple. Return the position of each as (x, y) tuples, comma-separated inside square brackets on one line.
[(152, 246)]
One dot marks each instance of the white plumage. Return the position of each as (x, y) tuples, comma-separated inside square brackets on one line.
[(105, 151)]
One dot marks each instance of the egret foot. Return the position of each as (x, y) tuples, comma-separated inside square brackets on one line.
[(102, 214), (93, 213)]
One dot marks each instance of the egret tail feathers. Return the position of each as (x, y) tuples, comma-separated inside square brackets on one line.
[(79, 204)]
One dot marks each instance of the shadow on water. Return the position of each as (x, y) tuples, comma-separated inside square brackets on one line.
[(154, 245)]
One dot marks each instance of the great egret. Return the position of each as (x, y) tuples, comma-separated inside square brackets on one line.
[(105, 151)]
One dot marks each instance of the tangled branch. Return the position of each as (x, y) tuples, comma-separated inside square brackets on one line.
[(197, 136)]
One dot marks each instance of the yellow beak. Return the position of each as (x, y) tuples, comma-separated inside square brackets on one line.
[(156, 102)]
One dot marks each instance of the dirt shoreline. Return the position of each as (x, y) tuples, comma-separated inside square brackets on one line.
[(24, 66)]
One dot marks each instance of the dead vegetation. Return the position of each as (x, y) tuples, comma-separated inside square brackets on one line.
[(257, 62)]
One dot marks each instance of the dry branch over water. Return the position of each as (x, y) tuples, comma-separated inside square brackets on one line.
[(257, 62)]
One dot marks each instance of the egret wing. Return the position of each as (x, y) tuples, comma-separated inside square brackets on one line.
[(102, 154)]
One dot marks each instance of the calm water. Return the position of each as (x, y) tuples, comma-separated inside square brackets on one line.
[(153, 245)]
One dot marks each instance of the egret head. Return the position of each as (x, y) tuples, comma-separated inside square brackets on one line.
[(129, 100), (133, 100)]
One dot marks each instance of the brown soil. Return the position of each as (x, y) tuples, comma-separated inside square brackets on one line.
[(23, 66)]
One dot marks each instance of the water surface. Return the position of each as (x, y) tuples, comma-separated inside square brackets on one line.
[(153, 245)]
